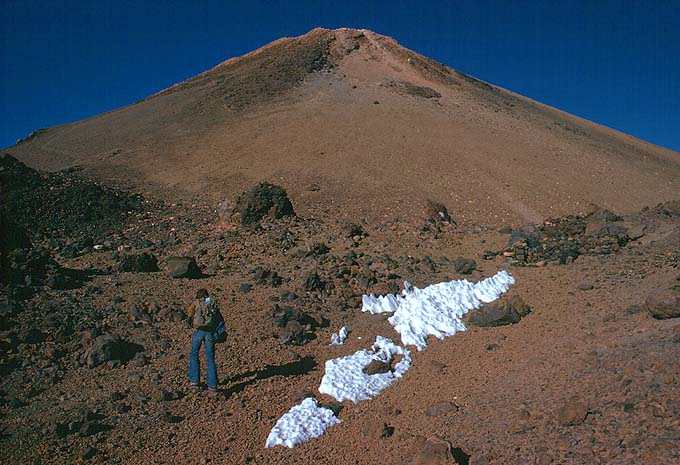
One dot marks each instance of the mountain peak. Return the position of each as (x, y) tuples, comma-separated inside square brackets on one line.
[(379, 126)]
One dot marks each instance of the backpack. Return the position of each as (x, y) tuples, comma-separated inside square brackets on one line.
[(220, 333), (206, 316)]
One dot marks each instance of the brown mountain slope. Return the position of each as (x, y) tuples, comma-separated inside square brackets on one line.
[(350, 121)]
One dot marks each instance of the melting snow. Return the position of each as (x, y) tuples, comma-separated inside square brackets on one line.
[(302, 422), (417, 313), (345, 380), (437, 309), (339, 337)]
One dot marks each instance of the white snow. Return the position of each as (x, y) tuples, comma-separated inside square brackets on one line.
[(345, 380), (417, 313), (300, 424), (437, 309), (339, 337), (380, 304)]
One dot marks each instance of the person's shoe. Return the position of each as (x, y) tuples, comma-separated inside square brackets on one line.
[(213, 392), (194, 387)]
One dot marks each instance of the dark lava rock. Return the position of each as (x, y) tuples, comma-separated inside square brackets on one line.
[(602, 221), (170, 418), (429, 263), (282, 315), (299, 396), (63, 203), (464, 265), (293, 333), (89, 453), (182, 267), (408, 88), (264, 276), (572, 412), (437, 213), (318, 250), (376, 366), (137, 314), (333, 405), (313, 282), (108, 347), (664, 303), (170, 314), (288, 296), (144, 262), (244, 288), (562, 240), (441, 408), (93, 427), (355, 230), (263, 200), (585, 286), (13, 237), (670, 208), (32, 336), (164, 395)]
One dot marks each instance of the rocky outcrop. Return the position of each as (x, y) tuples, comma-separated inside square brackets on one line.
[(505, 311), (182, 267), (110, 348), (663, 303)]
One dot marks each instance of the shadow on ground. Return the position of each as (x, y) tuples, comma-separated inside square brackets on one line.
[(242, 380)]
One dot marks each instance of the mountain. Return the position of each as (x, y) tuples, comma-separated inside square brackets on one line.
[(353, 124)]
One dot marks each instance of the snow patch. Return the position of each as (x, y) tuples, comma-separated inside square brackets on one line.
[(339, 337), (345, 380), (437, 309), (300, 424)]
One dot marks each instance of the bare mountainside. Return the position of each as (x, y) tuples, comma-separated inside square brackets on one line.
[(350, 120)]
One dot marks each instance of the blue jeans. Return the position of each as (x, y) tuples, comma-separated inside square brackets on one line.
[(197, 339)]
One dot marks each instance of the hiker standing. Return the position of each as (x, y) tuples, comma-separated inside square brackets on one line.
[(204, 317)]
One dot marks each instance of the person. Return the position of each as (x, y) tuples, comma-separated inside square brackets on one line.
[(204, 317)]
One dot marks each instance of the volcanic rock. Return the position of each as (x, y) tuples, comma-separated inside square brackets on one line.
[(144, 262), (434, 452), (313, 282), (464, 265), (505, 311), (182, 267), (263, 200), (32, 336), (437, 213), (293, 333), (267, 277), (664, 303), (13, 237), (108, 347), (318, 250), (89, 453), (299, 396), (282, 315), (376, 366)]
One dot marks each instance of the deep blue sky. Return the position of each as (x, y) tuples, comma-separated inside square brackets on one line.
[(614, 62)]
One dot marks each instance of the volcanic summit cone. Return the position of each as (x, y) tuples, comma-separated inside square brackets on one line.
[(350, 120)]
